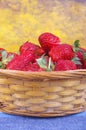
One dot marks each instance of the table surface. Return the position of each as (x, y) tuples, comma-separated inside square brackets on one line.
[(71, 122)]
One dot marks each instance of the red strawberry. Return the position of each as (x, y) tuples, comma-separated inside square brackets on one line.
[(79, 66), (6, 57), (39, 52), (32, 67), (83, 49), (80, 52), (19, 62), (84, 65), (62, 51), (80, 55), (78, 62), (1, 49), (63, 65), (48, 40), (28, 46)]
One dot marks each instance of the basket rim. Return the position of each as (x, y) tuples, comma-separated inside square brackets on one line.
[(44, 75)]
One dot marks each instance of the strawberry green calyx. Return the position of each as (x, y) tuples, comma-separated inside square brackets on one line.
[(42, 62), (84, 55), (76, 60), (45, 63), (76, 43), (76, 46), (2, 66), (5, 59), (80, 53)]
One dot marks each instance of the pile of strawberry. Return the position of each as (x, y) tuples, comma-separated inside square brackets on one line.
[(51, 55)]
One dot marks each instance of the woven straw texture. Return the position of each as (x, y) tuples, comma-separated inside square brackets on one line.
[(42, 94)]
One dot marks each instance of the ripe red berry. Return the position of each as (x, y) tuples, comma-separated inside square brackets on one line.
[(32, 67), (80, 55), (79, 66), (84, 65), (28, 46), (79, 51), (63, 65), (48, 40), (19, 62), (62, 51)]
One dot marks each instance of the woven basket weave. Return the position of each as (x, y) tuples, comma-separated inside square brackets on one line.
[(42, 94)]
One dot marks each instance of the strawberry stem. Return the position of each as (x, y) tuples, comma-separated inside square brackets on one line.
[(49, 64)]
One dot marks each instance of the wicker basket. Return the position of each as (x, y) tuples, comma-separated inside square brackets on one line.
[(42, 94)]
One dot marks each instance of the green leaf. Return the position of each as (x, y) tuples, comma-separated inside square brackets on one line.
[(4, 55), (0, 64), (42, 62), (76, 46), (84, 55), (46, 64), (76, 60), (77, 43)]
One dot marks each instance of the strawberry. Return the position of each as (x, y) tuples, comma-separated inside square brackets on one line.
[(79, 66), (78, 62), (83, 49), (6, 57), (1, 49), (62, 51), (79, 52), (63, 65), (31, 48), (39, 52), (84, 65), (80, 55), (48, 40), (28, 46), (20, 61), (32, 67)]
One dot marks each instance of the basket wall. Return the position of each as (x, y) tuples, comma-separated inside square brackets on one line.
[(43, 96)]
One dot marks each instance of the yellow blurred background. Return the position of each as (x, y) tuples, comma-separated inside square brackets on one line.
[(22, 20)]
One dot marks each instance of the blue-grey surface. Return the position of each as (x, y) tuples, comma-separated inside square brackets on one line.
[(72, 122)]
